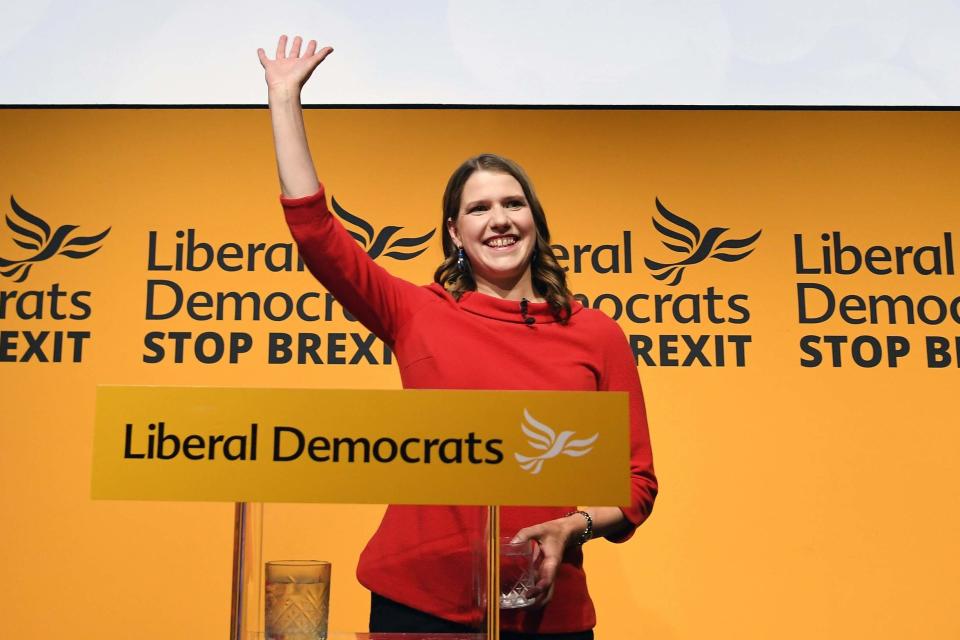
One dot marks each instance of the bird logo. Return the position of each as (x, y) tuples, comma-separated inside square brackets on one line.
[(543, 438), (33, 233), (684, 238), (376, 243)]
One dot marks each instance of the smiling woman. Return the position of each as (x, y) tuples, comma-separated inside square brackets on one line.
[(496, 232), (497, 316), (498, 242)]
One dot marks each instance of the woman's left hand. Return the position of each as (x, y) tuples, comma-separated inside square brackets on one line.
[(553, 538)]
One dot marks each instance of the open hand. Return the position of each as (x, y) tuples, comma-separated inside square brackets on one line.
[(290, 70)]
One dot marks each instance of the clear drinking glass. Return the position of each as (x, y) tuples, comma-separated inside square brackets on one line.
[(517, 573), (297, 599)]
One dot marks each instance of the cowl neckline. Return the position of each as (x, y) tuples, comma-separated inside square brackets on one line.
[(495, 308)]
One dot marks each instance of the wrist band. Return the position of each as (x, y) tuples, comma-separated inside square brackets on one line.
[(588, 532)]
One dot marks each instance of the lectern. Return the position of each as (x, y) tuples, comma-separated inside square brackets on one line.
[(422, 447)]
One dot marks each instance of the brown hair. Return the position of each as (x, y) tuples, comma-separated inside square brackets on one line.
[(549, 278)]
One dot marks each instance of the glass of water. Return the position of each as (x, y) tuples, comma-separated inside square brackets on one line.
[(297, 599), (517, 573)]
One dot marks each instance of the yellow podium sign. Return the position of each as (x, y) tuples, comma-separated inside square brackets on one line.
[(353, 446)]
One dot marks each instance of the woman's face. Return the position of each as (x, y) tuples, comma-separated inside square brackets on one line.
[(495, 227)]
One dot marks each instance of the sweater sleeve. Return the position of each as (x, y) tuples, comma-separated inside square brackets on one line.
[(381, 301), (621, 375)]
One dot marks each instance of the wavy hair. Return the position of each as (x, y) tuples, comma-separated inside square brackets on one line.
[(549, 278)]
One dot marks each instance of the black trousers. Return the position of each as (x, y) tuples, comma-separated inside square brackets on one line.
[(387, 616)]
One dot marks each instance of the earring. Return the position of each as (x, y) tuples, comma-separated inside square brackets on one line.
[(463, 263)]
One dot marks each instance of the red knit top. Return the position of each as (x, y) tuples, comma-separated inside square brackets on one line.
[(424, 556)]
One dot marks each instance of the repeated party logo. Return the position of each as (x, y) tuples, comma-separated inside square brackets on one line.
[(545, 439), (383, 242), (21, 340), (33, 233), (692, 247)]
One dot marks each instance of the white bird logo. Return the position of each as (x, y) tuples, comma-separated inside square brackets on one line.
[(544, 439)]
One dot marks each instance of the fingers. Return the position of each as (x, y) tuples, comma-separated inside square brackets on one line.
[(317, 58), (548, 572), (263, 57), (295, 50), (526, 533), (324, 53), (536, 554), (541, 596), (546, 575)]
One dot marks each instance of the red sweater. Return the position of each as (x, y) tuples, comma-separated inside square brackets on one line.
[(423, 556)]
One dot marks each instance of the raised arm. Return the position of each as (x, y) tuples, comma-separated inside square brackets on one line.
[(379, 300), (286, 75)]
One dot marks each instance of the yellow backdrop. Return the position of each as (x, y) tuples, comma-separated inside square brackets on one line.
[(797, 501)]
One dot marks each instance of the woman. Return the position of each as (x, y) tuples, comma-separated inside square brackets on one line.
[(499, 304)]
